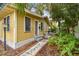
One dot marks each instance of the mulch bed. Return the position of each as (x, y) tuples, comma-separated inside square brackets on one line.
[(12, 52), (51, 50), (48, 50)]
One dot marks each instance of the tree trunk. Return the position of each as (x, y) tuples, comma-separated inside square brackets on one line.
[(73, 31), (68, 31)]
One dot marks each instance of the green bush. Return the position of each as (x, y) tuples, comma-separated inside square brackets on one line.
[(66, 43), (52, 40)]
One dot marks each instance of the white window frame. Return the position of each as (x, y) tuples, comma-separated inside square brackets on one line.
[(30, 24)]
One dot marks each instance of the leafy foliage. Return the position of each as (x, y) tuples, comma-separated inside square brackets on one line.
[(52, 40), (67, 12), (20, 7), (66, 43)]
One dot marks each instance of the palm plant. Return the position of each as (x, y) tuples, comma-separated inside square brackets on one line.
[(20, 7)]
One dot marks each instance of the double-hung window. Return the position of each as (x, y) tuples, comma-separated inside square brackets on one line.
[(27, 24), (41, 27), (8, 23)]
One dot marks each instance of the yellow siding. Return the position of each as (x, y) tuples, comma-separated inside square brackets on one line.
[(9, 34), (20, 26), (1, 30), (21, 35)]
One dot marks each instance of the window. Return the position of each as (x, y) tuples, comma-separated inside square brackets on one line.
[(5, 21), (8, 23), (41, 26), (27, 24)]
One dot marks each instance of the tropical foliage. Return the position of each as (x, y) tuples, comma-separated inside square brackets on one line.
[(66, 43)]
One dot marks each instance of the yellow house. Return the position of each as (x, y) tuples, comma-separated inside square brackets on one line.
[(21, 29)]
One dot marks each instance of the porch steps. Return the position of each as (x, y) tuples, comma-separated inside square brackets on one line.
[(33, 51)]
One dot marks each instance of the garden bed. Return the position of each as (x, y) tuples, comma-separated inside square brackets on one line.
[(51, 50), (48, 50), (12, 52)]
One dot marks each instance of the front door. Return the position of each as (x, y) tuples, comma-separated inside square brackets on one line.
[(36, 28)]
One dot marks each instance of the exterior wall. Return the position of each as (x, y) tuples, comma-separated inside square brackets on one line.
[(20, 28), (10, 33), (1, 30), (41, 32), (21, 34), (45, 28), (16, 36)]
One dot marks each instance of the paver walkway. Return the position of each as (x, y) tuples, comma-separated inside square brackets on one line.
[(33, 51)]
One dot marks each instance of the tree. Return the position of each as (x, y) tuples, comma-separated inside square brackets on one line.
[(71, 16), (56, 13), (67, 12)]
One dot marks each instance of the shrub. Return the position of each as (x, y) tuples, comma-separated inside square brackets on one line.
[(66, 43), (52, 40)]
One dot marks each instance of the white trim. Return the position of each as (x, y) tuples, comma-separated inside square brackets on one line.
[(15, 28), (24, 23), (21, 43)]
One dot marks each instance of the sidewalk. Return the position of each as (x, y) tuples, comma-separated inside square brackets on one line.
[(33, 51)]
